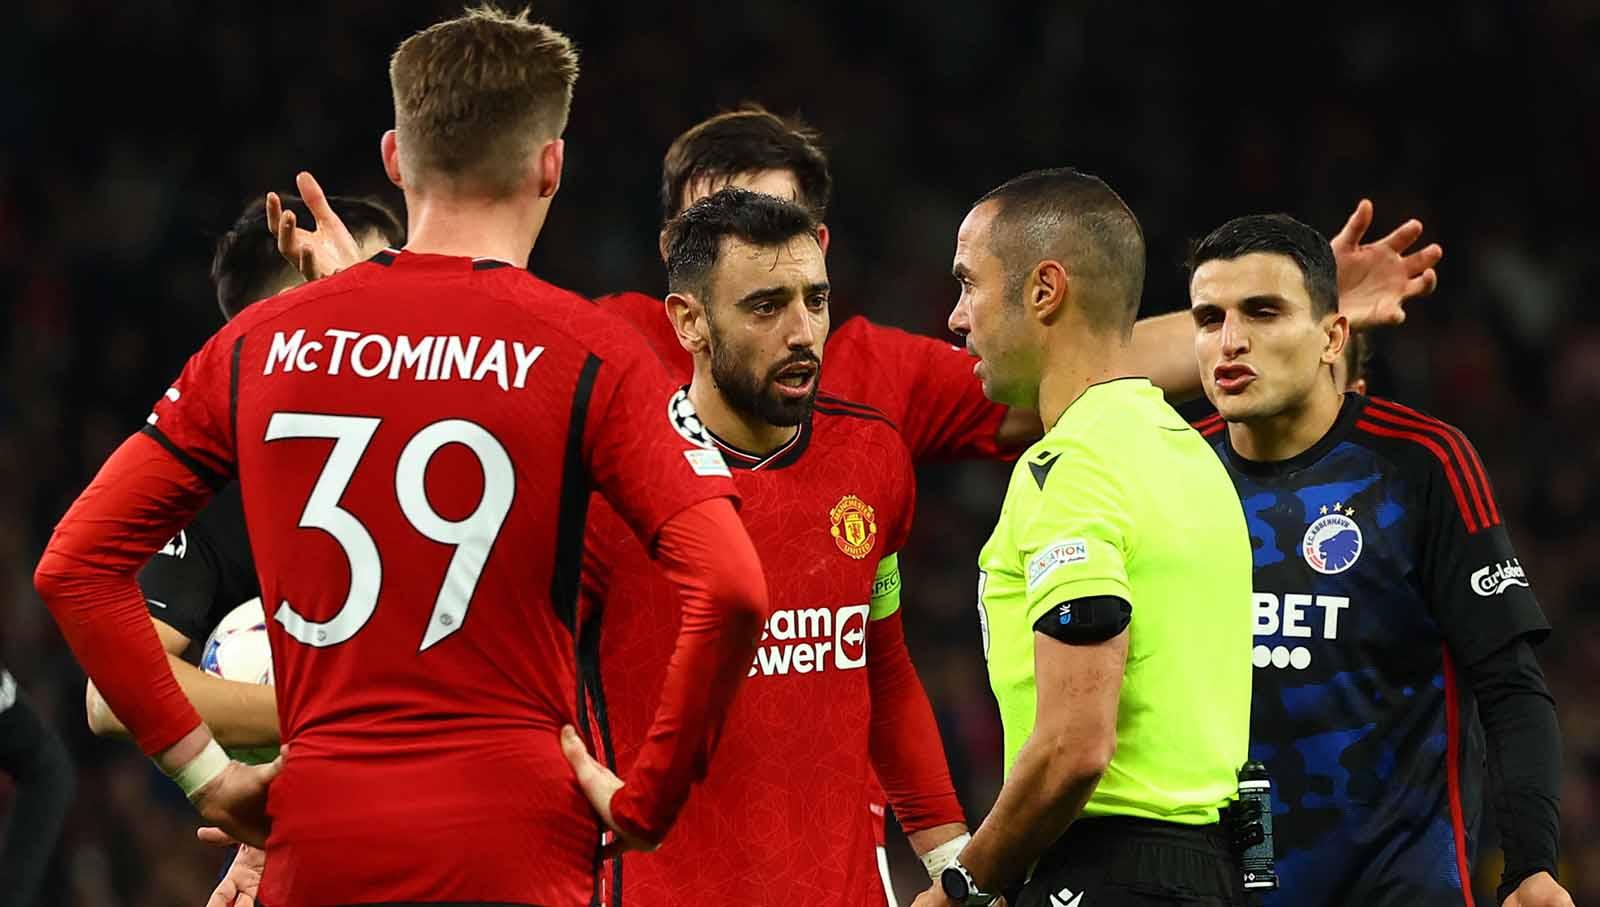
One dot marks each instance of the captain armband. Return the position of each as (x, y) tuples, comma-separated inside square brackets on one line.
[(1083, 621), (885, 588)]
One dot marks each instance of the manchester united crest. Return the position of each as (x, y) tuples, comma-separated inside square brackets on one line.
[(855, 526)]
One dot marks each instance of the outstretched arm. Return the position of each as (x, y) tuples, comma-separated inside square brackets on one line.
[(1376, 280)]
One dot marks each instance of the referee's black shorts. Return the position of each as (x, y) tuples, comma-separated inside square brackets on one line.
[(1127, 861)]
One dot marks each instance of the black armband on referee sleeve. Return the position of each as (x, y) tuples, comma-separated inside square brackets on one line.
[(1085, 620)]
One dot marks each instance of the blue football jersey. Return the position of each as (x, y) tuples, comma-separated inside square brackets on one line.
[(1382, 568)]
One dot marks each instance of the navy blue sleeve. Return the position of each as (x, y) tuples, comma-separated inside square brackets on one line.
[(1474, 583), (205, 571)]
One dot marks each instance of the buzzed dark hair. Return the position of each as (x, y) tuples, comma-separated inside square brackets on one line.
[(694, 238), (1277, 234), (1074, 218), (246, 265), (747, 139)]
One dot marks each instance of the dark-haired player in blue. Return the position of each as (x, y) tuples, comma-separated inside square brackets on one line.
[(1394, 625)]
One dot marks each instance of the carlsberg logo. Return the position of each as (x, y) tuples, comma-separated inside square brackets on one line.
[(1497, 578)]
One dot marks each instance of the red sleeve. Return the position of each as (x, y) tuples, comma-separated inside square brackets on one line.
[(193, 420), (907, 753), (140, 498), (645, 449), (705, 551), (926, 386)]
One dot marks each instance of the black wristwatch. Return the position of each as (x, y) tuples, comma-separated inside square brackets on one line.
[(959, 887)]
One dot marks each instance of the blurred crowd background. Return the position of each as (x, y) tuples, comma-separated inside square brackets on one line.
[(132, 134)]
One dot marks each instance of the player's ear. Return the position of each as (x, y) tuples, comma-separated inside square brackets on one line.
[(822, 238), (688, 317), (1336, 327), (551, 158), (1045, 291), (389, 148)]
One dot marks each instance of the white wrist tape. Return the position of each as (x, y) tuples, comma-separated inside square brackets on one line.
[(201, 770), (940, 858)]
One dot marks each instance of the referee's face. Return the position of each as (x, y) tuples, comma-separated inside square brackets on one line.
[(989, 315), (1260, 349)]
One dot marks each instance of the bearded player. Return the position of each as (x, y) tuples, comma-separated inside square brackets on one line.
[(828, 493)]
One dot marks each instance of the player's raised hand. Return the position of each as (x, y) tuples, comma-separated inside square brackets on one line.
[(933, 897), (327, 248), (1376, 279), (236, 801), (238, 887), (1539, 890), (599, 784)]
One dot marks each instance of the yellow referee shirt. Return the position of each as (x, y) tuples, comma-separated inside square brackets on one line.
[(1121, 497)]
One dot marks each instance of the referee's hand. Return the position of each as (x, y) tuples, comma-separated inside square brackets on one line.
[(1539, 890)]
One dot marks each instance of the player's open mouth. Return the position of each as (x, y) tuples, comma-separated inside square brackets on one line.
[(796, 380), (1233, 378)]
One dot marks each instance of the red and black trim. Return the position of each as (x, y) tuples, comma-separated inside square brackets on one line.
[(233, 393), (574, 511), (1210, 425), (385, 257), (1463, 470), (1452, 753), (830, 405), (571, 519), (213, 476), (592, 711), (489, 264), (786, 455)]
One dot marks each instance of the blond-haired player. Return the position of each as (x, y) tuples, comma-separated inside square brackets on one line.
[(416, 439)]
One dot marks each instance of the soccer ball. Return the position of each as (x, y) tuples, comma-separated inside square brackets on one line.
[(237, 650)]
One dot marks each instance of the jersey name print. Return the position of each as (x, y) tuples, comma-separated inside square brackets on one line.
[(416, 540)]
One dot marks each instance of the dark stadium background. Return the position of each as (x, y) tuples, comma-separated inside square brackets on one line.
[(131, 134)]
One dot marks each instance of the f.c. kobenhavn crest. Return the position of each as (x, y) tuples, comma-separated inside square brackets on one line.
[(855, 526), (1333, 541)]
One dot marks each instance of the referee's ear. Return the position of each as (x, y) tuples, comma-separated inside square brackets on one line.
[(688, 317), (1046, 291)]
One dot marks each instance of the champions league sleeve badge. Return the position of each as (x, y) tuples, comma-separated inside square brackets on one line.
[(1332, 542)]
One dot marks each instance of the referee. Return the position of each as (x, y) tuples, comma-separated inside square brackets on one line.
[(1115, 591)]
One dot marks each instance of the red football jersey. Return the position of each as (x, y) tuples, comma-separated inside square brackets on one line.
[(780, 818), (416, 439), (925, 386)]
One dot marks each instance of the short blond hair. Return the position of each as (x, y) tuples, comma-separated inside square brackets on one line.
[(475, 95)]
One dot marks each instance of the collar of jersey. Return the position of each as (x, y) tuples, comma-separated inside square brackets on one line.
[(777, 459), (1349, 411), (392, 255), (1127, 383)]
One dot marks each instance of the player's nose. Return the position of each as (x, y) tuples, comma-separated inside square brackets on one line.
[(1235, 337), (799, 328)]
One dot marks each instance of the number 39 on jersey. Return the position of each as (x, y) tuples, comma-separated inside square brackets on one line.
[(472, 536)]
